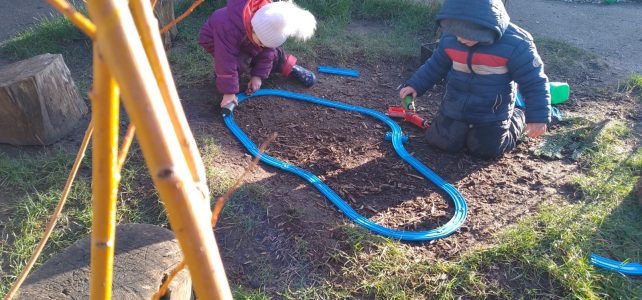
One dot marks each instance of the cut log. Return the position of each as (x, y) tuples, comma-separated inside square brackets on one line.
[(39, 102), (144, 256), (164, 12)]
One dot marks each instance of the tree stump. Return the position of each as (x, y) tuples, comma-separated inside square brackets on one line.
[(164, 11), (39, 102), (144, 256)]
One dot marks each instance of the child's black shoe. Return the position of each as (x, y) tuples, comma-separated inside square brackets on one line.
[(303, 75)]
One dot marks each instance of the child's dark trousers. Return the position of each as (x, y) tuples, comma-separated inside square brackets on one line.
[(485, 140)]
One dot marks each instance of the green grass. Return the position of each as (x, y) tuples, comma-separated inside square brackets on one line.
[(49, 35), (35, 183), (342, 34), (245, 294), (190, 63), (634, 85), (563, 61), (542, 256), (374, 30)]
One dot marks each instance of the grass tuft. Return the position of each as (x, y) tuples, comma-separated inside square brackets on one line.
[(49, 35), (634, 85), (37, 182), (374, 30), (245, 294)]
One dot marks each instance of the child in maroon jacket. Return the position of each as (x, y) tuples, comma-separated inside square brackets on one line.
[(246, 35)]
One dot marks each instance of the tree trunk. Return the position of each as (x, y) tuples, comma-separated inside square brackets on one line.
[(39, 102), (164, 12)]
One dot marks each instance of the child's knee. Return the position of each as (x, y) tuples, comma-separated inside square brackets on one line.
[(491, 141), (488, 150), (447, 134)]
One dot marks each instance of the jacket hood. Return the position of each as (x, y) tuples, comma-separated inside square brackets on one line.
[(488, 13)]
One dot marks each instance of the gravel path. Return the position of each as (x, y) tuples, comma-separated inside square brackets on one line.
[(613, 32), (17, 15)]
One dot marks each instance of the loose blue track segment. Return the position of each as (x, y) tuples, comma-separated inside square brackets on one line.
[(338, 71), (631, 268), (461, 209)]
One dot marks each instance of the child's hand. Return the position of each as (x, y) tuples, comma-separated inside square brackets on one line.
[(408, 91), (534, 130), (254, 85), (229, 98)]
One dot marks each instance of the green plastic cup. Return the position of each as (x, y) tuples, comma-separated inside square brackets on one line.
[(560, 92)]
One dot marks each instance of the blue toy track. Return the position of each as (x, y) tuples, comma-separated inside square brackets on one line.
[(338, 71), (631, 268), (461, 210)]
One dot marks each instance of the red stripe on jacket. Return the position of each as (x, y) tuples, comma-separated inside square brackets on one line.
[(484, 59)]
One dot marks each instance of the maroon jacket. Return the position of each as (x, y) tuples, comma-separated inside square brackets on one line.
[(225, 35)]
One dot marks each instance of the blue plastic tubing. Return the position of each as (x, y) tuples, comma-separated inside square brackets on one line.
[(461, 210), (631, 268), (338, 71)]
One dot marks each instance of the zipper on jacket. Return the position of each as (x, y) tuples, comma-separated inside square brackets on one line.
[(469, 63)]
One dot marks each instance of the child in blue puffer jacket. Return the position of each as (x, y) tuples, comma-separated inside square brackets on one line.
[(482, 55)]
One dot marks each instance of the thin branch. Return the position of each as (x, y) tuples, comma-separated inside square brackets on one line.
[(181, 17)]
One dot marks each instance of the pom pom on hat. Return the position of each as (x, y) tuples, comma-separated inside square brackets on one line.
[(275, 22), (469, 30)]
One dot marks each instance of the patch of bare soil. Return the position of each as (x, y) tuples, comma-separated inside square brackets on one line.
[(297, 232)]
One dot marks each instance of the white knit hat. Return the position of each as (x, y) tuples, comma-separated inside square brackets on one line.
[(275, 22)]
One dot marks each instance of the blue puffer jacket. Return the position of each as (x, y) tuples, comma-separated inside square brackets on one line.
[(480, 78)]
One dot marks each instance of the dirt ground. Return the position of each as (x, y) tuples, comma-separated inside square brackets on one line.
[(349, 153), (289, 236)]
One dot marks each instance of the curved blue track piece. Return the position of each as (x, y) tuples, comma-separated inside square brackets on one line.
[(631, 268), (461, 209)]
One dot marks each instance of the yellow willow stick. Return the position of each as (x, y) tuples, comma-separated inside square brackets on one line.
[(55, 216), (75, 17), (148, 28), (182, 16), (188, 211), (104, 177), (215, 214), (124, 148)]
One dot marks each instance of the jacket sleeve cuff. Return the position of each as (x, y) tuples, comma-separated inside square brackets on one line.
[(540, 116), (416, 86), (263, 75)]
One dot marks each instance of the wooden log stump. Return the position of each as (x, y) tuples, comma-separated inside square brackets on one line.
[(164, 11), (144, 255), (39, 102)]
